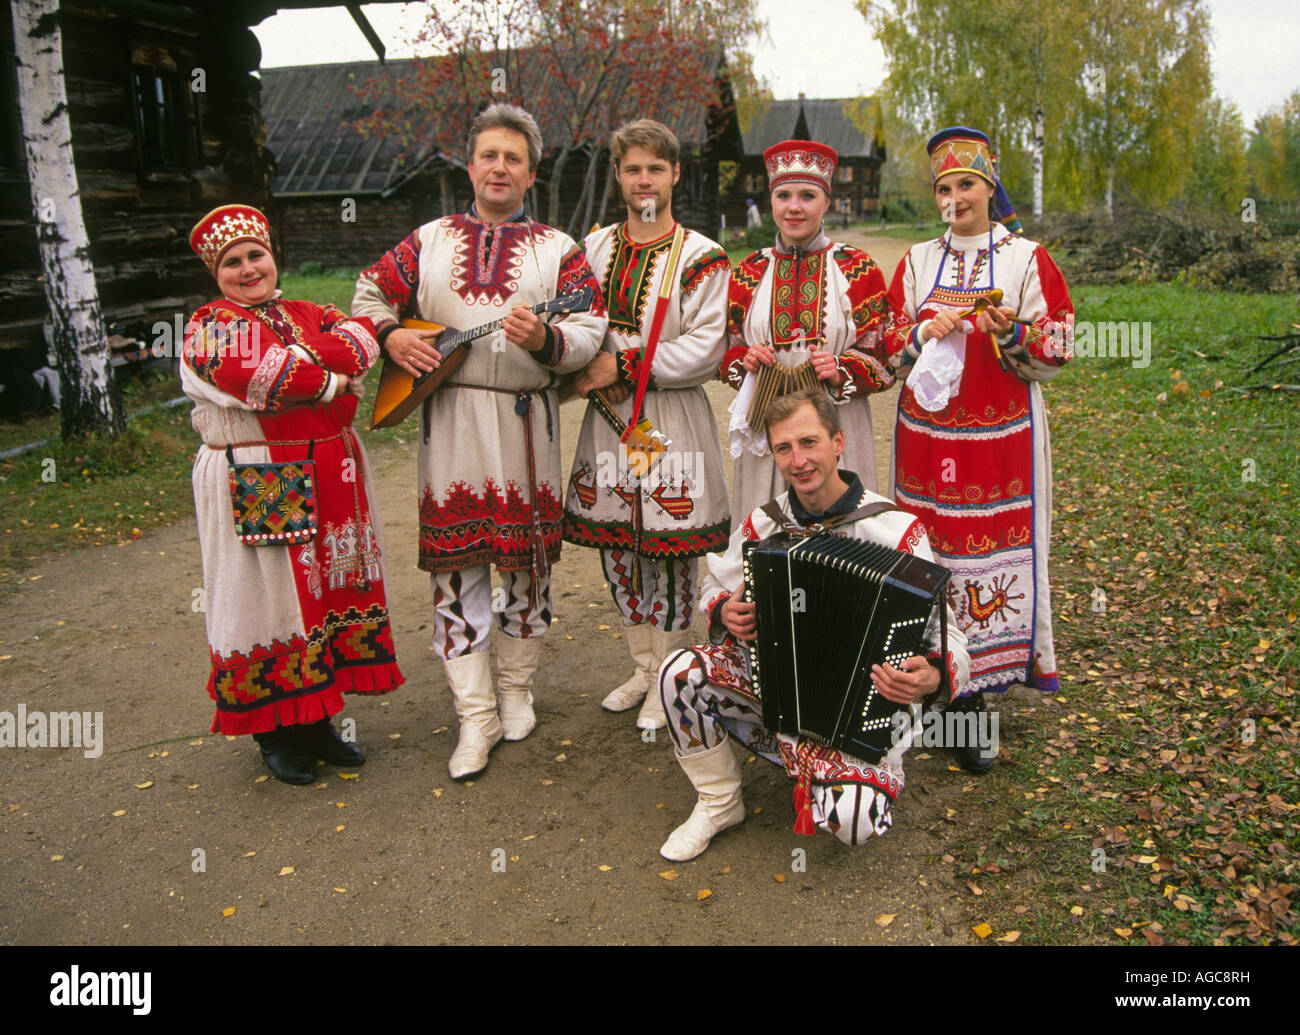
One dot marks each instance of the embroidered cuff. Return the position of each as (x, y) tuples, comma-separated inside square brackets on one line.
[(383, 329), (629, 369), (717, 631), (553, 351), (1014, 341)]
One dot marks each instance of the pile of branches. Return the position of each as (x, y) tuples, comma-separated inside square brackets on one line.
[(1144, 246)]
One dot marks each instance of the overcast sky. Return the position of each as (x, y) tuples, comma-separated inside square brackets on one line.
[(826, 50)]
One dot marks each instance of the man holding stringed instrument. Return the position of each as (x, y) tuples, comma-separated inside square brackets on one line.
[(648, 488), (489, 458)]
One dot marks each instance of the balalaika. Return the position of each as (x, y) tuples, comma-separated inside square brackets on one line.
[(828, 608)]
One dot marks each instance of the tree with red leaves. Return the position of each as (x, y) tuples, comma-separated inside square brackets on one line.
[(581, 67)]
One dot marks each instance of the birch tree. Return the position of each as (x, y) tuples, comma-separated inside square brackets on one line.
[(90, 400)]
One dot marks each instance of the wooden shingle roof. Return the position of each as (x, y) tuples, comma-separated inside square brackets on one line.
[(309, 111), (824, 120)]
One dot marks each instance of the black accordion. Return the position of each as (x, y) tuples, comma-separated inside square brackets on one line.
[(829, 608)]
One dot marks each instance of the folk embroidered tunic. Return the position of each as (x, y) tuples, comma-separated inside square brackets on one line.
[(850, 797), (290, 628), (979, 471), (831, 294), (680, 508), (489, 458)]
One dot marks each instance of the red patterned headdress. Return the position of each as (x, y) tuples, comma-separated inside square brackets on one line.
[(800, 161), (228, 225)]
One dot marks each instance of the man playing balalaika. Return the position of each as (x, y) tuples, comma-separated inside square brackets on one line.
[(666, 291), (708, 692)]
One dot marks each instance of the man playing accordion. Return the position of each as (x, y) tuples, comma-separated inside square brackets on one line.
[(709, 695)]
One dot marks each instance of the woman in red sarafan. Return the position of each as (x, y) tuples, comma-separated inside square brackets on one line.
[(296, 622), (971, 453)]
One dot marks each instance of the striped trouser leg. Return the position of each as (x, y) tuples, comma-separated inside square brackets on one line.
[(520, 617), (696, 708), (665, 596), (462, 610)]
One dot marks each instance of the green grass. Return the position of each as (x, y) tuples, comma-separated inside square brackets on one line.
[(331, 286), (1147, 754)]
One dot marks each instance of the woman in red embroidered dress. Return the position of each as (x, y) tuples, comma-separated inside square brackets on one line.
[(290, 627), (806, 297), (971, 452)]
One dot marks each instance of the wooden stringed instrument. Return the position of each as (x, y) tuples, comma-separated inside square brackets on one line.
[(399, 393), (644, 445)]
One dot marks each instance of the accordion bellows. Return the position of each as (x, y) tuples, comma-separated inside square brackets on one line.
[(829, 608)]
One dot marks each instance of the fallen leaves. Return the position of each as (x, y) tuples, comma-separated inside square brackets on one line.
[(285, 871), (982, 929), (885, 919), (702, 894), (144, 786), (228, 911), (669, 874)]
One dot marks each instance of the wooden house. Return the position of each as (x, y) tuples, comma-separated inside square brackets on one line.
[(323, 164), (835, 122)]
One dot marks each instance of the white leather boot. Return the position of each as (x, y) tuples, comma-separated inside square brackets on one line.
[(665, 644), (517, 661), (640, 645), (715, 774), (470, 680)]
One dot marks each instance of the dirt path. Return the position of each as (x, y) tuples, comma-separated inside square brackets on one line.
[(401, 854)]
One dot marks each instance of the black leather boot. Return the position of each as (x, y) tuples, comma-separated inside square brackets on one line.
[(976, 753), (321, 740), (283, 755)]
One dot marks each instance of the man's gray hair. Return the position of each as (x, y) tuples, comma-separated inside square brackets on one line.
[(507, 116)]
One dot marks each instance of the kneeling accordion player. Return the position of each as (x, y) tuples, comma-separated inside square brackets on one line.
[(835, 595)]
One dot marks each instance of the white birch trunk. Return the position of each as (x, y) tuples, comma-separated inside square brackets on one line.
[(90, 399), (1039, 140), (1110, 192)]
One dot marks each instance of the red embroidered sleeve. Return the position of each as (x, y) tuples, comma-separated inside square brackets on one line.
[(875, 322), (338, 342), (745, 279), (397, 275), (247, 361), (1049, 338), (712, 262), (575, 274), (901, 349), (630, 364)]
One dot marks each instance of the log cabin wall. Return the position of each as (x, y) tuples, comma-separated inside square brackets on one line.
[(165, 126), (313, 228)]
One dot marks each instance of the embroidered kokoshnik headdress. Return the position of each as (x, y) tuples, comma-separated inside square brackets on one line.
[(958, 149), (800, 161), (225, 226)]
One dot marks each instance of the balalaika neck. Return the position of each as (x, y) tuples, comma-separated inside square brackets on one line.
[(606, 411), (446, 345)]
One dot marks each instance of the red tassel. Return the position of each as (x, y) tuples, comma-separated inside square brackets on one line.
[(804, 824)]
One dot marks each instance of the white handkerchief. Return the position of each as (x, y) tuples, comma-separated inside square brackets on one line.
[(936, 377)]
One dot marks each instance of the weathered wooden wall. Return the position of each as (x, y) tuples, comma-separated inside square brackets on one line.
[(138, 216)]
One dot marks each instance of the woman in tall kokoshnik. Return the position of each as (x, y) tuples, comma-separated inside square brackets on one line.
[(301, 619), (971, 454), (805, 297)]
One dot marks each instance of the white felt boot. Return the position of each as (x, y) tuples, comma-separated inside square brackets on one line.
[(665, 644), (470, 679), (715, 773), (517, 661), (640, 645)]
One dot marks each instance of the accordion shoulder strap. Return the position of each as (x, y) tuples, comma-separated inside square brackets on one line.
[(773, 510)]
